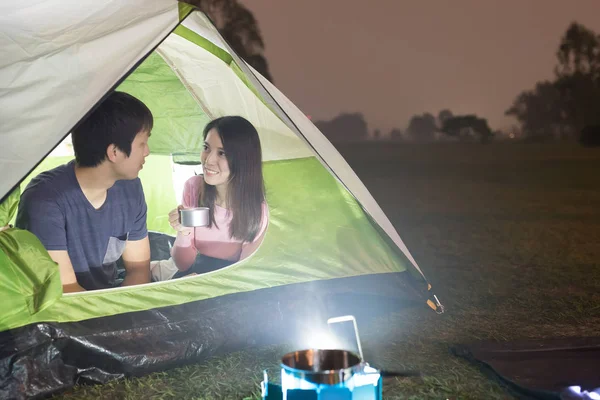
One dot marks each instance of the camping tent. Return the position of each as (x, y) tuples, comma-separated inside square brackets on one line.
[(58, 59)]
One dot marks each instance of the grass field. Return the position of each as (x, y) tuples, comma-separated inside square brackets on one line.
[(507, 234)]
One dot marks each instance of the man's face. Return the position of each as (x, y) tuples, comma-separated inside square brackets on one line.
[(130, 167)]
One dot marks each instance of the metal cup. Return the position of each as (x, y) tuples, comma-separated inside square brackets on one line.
[(194, 217), (322, 366)]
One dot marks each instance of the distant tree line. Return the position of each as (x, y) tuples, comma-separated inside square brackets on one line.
[(569, 105), (421, 128), (426, 128), (345, 127), (566, 107)]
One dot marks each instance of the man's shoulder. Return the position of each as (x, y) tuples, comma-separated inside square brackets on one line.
[(45, 198), (49, 184)]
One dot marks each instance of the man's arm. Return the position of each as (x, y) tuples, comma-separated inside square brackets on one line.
[(41, 215), (67, 273), (136, 258)]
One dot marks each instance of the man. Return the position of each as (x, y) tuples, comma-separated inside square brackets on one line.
[(90, 212)]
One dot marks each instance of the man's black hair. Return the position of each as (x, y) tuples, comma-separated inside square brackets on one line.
[(117, 120)]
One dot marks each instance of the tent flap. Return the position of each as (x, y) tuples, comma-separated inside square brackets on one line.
[(56, 65), (8, 208), (29, 278)]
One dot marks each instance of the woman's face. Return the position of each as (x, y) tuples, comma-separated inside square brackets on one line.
[(214, 160)]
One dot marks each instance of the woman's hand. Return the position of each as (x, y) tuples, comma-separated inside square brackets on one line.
[(175, 222)]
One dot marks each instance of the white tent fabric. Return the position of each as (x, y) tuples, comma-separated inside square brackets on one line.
[(58, 58), (200, 24), (213, 85)]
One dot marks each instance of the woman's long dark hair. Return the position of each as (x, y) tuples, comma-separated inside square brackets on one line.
[(246, 188)]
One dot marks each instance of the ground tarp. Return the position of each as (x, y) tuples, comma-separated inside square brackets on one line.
[(539, 369)]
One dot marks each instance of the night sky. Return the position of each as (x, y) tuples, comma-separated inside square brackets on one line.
[(394, 59)]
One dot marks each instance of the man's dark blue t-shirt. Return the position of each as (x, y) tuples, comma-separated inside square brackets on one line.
[(55, 209)]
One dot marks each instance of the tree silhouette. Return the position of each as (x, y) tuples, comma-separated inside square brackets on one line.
[(444, 115), (540, 112), (396, 134), (578, 76), (344, 127), (422, 128), (578, 52), (468, 127), (571, 102), (240, 29)]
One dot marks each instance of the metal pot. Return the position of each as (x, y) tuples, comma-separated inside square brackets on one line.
[(319, 366), (194, 217)]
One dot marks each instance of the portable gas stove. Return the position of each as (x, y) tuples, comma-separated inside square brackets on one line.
[(324, 374)]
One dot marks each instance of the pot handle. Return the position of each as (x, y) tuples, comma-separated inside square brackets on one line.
[(347, 318)]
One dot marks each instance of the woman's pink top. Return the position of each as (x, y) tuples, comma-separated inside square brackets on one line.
[(213, 242)]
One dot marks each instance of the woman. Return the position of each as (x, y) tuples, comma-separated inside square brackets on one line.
[(232, 188)]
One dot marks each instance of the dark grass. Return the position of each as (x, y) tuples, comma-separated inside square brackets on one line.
[(509, 237)]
